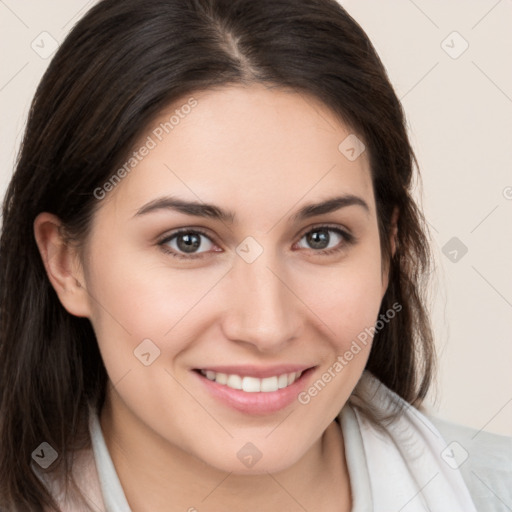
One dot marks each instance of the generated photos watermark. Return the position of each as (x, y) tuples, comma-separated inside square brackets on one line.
[(151, 142), (341, 361)]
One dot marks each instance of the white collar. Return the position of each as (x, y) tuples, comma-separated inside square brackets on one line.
[(407, 462)]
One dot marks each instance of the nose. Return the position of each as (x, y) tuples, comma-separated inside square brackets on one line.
[(263, 311)]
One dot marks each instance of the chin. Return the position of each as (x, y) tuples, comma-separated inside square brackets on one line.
[(244, 465)]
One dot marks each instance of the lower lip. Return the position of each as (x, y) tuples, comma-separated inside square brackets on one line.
[(258, 402)]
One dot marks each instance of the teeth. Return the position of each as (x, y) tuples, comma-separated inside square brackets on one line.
[(221, 378), (253, 384), (268, 384), (282, 381), (234, 381)]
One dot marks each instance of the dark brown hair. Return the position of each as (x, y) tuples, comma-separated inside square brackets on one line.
[(120, 66)]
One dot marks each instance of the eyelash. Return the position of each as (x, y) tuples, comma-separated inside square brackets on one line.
[(349, 239)]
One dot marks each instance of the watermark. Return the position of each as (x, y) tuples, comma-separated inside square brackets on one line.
[(454, 45), (454, 249), (352, 147), (249, 249), (45, 45), (45, 455), (151, 142), (454, 455), (249, 455), (146, 352), (337, 367)]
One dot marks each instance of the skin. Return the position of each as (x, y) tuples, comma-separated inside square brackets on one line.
[(262, 153)]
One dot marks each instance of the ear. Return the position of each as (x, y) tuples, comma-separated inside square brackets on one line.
[(62, 264)]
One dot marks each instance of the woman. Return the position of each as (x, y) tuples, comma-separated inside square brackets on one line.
[(213, 276)]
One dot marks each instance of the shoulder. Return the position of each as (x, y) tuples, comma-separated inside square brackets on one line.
[(484, 460)]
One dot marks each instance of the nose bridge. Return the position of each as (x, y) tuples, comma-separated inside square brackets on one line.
[(262, 306)]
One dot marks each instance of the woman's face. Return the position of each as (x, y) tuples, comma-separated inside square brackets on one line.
[(250, 289)]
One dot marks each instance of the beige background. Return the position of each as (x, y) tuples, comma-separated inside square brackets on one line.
[(459, 108)]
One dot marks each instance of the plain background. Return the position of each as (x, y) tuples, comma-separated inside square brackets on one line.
[(458, 103)]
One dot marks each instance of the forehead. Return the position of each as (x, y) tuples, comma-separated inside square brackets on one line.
[(247, 147)]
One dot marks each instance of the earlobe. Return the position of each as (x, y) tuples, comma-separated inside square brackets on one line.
[(62, 264)]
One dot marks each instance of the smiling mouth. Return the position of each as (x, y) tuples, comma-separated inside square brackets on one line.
[(256, 390), (253, 384)]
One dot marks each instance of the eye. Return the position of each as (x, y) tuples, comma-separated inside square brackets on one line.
[(185, 243), (322, 242)]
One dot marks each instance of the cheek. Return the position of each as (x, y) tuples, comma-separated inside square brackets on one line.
[(133, 299), (345, 299), (347, 304), (150, 301)]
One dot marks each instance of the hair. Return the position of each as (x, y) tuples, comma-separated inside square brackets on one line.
[(120, 66)]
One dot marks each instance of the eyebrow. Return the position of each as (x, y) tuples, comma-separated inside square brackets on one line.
[(200, 209)]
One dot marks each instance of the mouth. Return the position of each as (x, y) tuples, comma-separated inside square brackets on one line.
[(247, 391)]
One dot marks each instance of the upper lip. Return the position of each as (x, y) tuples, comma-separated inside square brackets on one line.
[(258, 371)]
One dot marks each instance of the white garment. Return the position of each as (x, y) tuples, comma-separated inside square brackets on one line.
[(410, 468)]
